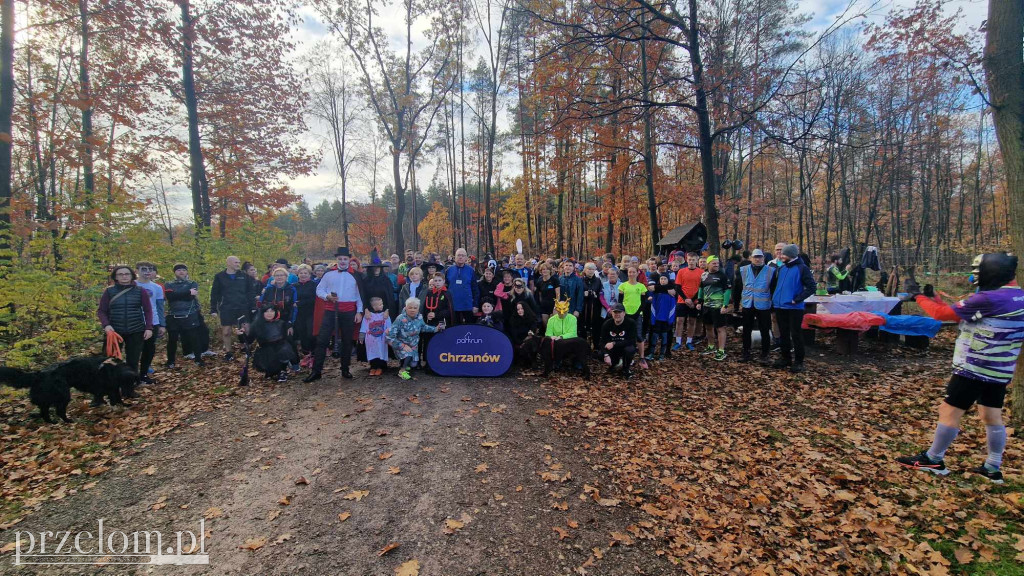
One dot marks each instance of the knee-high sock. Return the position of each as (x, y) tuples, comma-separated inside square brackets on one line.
[(996, 439), (944, 436)]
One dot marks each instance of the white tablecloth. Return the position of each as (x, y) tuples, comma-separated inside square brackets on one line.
[(831, 305)]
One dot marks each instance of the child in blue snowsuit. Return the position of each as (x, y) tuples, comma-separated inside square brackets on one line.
[(663, 313), (404, 336)]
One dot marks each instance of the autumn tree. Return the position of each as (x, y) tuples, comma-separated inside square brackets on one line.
[(435, 229), (6, 113), (1004, 69), (333, 102), (405, 85)]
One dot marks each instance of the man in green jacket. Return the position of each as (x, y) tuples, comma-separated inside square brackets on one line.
[(561, 341)]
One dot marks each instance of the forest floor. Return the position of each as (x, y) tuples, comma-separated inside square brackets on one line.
[(693, 467)]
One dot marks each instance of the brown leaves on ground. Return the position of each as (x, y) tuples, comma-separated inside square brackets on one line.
[(738, 467), (50, 461), (356, 495), (254, 544), (344, 516), (388, 548)]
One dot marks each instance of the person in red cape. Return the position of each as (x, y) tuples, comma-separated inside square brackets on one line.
[(339, 307)]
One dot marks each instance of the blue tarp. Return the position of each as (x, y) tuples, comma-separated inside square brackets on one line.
[(910, 325)]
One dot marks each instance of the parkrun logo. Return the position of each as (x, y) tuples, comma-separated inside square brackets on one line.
[(111, 547), (485, 358), (468, 339)]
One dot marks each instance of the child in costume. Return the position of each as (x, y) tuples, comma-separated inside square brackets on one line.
[(276, 351), (490, 317), (372, 334), (404, 336)]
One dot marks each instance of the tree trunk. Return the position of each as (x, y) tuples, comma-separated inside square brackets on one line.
[(1004, 69), (396, 168), (6, 112), (85, 95), (704, 139), (199, 184)]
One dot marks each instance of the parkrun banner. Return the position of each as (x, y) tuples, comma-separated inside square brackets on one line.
[(470, 350)]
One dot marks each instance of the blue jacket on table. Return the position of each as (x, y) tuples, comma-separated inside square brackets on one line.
[(793, 284), (462, 287)]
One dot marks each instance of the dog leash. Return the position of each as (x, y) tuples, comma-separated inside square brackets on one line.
[(113, 348)]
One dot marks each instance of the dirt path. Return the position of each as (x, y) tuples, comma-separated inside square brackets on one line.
[(423, 453)]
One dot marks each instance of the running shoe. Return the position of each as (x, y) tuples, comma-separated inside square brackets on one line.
[(923, 462), (709, 351), (282, 376), (209, 353), (649, 357), (690, 346), (797, 367), (404, 374), (191, 356), (677, 346), (719, 355), (229, 357), (994, 476)]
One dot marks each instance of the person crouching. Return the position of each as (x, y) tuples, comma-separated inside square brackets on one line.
[(275, 352), (404, 336), (562, 341), (373, 335)]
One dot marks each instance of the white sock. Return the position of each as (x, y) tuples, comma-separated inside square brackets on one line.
[(679, 339), (689, 340)]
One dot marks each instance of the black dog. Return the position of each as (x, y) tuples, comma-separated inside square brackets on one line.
[(101, 377), (45, 389), (525, 355), (96, 375), (571, 350)]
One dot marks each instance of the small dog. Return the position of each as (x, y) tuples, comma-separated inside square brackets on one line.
[(525, 355), (96, 375)]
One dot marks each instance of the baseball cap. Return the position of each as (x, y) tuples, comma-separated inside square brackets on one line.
[(757, 252), (618, 307)]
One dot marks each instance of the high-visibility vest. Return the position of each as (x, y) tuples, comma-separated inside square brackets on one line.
[(757, 288)]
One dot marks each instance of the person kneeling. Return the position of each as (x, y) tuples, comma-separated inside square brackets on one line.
[(561, 340), (404, 336), (618, 341), (275, 351), (373, 335)]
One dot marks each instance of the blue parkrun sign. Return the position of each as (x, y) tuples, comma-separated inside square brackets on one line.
[(470, 350)]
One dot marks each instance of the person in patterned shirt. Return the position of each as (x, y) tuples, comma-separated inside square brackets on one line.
[(986, 353)]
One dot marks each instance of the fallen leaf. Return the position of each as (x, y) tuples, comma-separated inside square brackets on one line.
[(489, 444), (272, 515), (301, 481), (251, 434), (254, 544), (344, 516), (451, 525), (149, 471), (573, 524), (560, 505), (9, 547), (963, 555), (356, 495), (562, 532), (621, 538), (282, 538), (608, 502), (387, 548), (385, 456), (284, 501), (481, 468), (394, 470), (410, 568), (213, 512)]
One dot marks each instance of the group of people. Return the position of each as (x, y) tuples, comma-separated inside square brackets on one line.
[(627, 312), (567, 312)]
